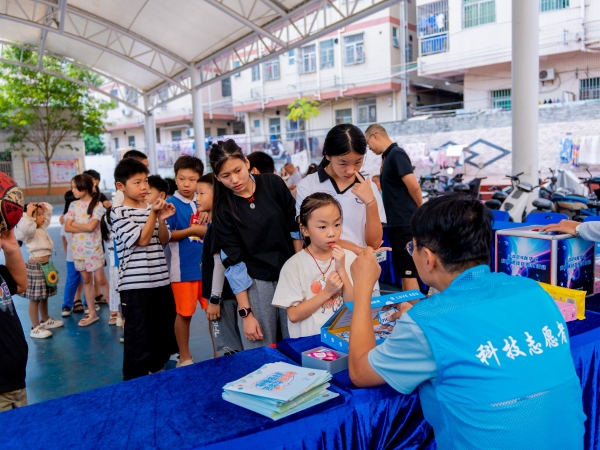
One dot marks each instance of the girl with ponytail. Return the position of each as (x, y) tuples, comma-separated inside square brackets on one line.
[(256, 233), (83, 221)]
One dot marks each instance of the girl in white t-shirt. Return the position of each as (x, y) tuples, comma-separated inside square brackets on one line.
[(315, 282)]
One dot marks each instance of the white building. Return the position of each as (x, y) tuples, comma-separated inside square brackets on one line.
[(469, 42)]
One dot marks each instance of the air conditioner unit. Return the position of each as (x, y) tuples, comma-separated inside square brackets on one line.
[(190, 132), (126, 112), (547, 74)]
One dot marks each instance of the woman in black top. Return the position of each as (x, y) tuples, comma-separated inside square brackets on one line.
[(256, 231)]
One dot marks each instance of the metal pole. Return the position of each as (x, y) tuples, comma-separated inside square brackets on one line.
[(525, 88), (150, 133), (402, 39), (198, 116)]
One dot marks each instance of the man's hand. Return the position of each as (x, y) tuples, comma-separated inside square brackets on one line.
[(168, 211), (363, 189), (340, 257), (213, 312), (365, 269), (252, 328), (403, 307), (564, 226), (9, 241), (158, 205), (334, 284)]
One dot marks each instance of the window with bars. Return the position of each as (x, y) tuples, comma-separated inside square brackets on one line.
[(478, 12), (343, 116), (308, 59), (551, 5), (226, 87), (501, 99), (275, 127), (327, 55), (271, 70), (175, 135), (409, 52), (131, 141), (354, 49), (366, 110), (256, 73), (589, 89), (432, 27), (221, 131)]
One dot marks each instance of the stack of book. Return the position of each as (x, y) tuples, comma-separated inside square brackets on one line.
[(278, 390)]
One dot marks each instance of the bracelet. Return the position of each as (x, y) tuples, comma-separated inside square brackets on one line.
[(367, 204)]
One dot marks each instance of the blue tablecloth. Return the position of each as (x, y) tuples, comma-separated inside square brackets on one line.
[(183, 409)]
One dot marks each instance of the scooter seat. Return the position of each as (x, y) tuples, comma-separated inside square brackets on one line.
[(542, 203), (572, 206), (461, 187), (500, 196), (493, 204)]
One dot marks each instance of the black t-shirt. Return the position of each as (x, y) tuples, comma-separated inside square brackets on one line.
[(262, 238), (13, 346), (399, 205), (208, 266)]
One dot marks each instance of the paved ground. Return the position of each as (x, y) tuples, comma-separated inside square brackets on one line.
[(78, 359)]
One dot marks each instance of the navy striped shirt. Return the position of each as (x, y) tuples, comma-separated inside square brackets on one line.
[(139, 267)]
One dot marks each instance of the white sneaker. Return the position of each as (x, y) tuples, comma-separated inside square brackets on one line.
[(40, 333), (51, 323)]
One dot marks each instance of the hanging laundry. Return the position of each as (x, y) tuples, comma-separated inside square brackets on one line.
[(440, 21), (431, 23), (423, 25), (565, 152)]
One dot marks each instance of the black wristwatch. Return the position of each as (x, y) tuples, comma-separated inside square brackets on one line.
[(214, 300), (243, 312)]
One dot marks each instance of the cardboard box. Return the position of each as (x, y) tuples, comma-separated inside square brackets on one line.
[(336, 331), (341, 363), (571, 296), (556, 259)]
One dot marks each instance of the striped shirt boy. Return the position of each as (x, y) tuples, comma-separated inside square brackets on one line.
[(139, 267)]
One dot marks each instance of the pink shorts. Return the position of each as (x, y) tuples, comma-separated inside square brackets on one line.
[(89, 265)]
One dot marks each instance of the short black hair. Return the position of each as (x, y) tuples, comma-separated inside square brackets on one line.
[(92, 173), (457, 228), (262, 162), (156, 182), (135, 154), (127, 168), (209, 178), (69, 198), (189, 162), (172, 186)]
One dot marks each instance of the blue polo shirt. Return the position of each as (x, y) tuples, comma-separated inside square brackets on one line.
[(185, 255), (490, 356)]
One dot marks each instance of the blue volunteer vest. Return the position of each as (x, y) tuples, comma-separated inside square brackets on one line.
[(506, 378)]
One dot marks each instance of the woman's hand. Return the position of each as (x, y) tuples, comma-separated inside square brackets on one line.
[(564, 226), (363, 190), (340, 257), (252, 328)]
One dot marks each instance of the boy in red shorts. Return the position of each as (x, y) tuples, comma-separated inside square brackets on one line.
[(185, 248)]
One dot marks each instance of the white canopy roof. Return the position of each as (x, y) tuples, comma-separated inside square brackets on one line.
[(150, 46)]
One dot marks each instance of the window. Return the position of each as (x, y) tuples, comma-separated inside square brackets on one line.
[(308, 59), (589, 89), (157, 136), (343, 116), (551, 5), (501, 99), (131, 96), (256, 127), (478, 12), (221, 131), (395, 38), (131, 141), (367, 110), (327, 58), (176, 135), (275, 127), (292, 57), (432, 26), (226, 87), (354, 49), (235, 66), (271, 70), (207, 132), (409, 52), (295, 129), (256, 73), (117, 143), (115, 93)]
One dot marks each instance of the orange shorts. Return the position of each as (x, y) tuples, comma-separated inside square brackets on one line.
[(187, 294)]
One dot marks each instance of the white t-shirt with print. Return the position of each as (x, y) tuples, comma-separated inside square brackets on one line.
[(299, 280)]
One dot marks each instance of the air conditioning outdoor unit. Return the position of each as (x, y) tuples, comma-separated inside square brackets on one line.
[(126, 112), (547, 74)]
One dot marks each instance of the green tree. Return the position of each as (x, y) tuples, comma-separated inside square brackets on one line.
[(94, 145), (41, 111), (303, 108)]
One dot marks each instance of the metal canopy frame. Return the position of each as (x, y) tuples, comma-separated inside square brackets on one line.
[(273, 33)]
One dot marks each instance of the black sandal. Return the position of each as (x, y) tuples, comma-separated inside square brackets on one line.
[(78, 306), (101, 299)]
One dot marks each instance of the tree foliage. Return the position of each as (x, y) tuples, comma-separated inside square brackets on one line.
[(303, 108), (42, 112), (94, 145)]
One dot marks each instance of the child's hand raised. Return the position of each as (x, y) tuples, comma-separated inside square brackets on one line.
[(158, 205), (334, 284), (167, 211), (340, 257), (363, 189)]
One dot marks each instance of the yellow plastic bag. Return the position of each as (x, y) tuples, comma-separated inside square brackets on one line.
[(561, 294)]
